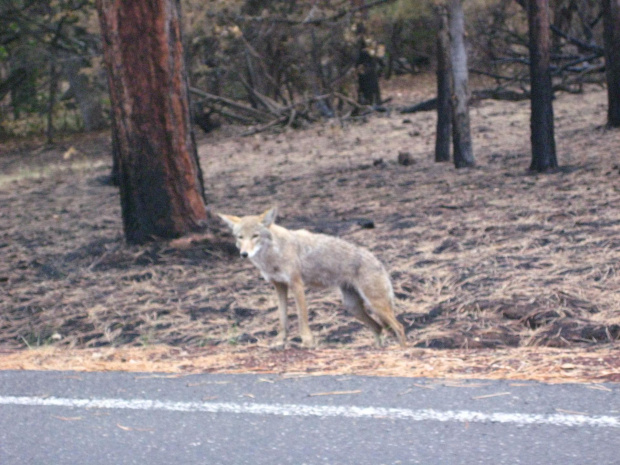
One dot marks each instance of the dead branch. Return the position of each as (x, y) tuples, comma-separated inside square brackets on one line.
[(232, 116), (498, 77), (351, 101), (265, 127), (500, 94), (579, 43), (231, 103), (274, 113), (308, 20), (426, 105), (270, 105), (494, 94), (571, 66)]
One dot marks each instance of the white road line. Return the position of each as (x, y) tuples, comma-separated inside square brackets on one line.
[(461, 416)]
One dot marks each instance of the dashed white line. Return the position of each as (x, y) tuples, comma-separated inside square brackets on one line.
[(460, 416)]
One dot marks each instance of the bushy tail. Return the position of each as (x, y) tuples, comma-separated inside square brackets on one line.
[(382, 306)]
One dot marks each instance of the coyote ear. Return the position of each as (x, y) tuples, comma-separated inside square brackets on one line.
[(269, 216), (230, 220)]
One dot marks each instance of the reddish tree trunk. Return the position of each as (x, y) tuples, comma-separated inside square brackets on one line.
[(541, 120), (611, 36), (160, 179)]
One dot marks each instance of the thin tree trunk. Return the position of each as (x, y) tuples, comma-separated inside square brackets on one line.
[(442, 135), (53, 89), (611, 36), (160, 179), (88, 101), (541, 121), (461, 133)]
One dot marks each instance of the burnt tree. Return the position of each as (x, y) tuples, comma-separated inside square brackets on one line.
[(53, 90), (368, 92), (611, 37), (461, 132), (541, 119), (442, 135), (160, 179)]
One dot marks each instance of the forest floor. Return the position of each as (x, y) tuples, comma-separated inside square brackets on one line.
[(498, 272)]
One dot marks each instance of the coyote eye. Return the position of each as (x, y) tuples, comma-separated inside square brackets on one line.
[(240, 237), (255, 236)]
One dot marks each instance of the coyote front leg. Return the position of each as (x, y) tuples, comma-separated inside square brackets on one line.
[(297, 286), (282, 293)]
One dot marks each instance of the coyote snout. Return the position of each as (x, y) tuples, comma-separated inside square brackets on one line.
[(292, 259)]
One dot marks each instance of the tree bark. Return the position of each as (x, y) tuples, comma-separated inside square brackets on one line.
[(541, 120), (611, 36), (115, 175), (461, 133), (442, 135), (160, 179)]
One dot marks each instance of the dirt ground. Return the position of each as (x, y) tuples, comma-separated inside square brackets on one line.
[(497, 272)]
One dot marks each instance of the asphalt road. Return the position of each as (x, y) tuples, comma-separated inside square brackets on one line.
[(127, 418)]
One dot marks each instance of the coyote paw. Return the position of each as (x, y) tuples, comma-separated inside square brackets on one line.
[(279, 344), (307, 342)]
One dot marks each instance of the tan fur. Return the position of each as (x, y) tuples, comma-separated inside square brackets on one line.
[(292, 259)]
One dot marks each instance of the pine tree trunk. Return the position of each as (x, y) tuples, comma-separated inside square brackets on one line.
[(160, 179), (541, 121), (461, 133), (611, 36), (442, 136)]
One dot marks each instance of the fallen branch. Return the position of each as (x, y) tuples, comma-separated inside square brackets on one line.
[(230, 103), (500, 94), (426, 105), (499, 77), (270, 105), (265, 127), (274, 113), (485, 94), (233, 116), (351, 101)]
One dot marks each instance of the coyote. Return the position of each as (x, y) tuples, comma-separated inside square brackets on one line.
[(291, 259)]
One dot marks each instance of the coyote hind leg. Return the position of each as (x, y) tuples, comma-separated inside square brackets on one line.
[(354, 303), (389, 320), (381, 305)]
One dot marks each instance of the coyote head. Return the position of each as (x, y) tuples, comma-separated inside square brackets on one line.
[(251, 232)]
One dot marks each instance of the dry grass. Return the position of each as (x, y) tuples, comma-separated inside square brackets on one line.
[(542, 364), (483, 258)]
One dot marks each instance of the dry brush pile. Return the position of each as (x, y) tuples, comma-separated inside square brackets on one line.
[(489, 257)]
